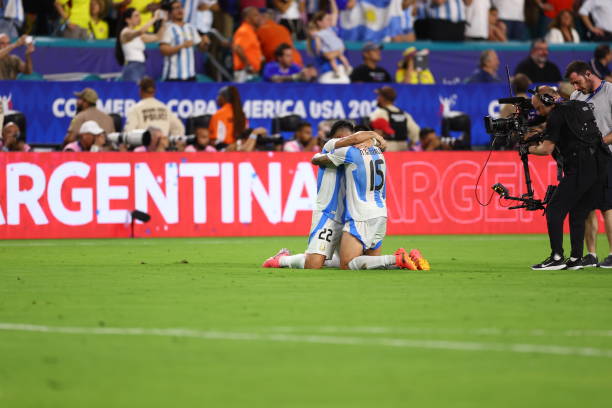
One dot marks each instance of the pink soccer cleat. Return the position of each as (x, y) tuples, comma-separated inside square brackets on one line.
[(274, 262), (403, 261), (421, 263)]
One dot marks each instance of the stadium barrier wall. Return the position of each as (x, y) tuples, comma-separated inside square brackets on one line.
[(50, 106), (90, 195), (449, 62)]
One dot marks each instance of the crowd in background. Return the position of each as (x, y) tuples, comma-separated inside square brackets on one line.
[(255, 39)]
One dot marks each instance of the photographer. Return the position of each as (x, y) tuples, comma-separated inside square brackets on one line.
[(572, 134)]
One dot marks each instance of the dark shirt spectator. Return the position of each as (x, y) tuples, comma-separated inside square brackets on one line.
[(284, 70), (369, 71), (487, 71), (601, 59), (537, 67)]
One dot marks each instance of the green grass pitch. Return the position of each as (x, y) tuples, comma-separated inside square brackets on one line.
[(198, 323)]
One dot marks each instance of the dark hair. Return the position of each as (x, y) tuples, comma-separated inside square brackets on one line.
[(556, 23), (601, 51), (341, 124), (362, 128), (280, 50), (147, 84), (536, 41), (302, 125), (232, 96), (167, 4), (492, 8), (484, 56), (128, 13), (579, 67), (520, 83), (425, 131)]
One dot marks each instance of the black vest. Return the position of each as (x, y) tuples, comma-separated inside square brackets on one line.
[(398, 122)]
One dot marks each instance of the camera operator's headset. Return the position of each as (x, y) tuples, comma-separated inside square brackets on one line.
[(547, 100)]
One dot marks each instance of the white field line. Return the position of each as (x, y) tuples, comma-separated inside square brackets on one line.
[(318, 339), (139, 241), (490, 331)]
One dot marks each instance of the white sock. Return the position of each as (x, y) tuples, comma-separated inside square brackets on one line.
[(293, 261), (593, 254), (556, 257), (373, 262), (334, 262), (573, 259)]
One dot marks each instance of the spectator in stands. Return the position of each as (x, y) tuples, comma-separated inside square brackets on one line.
[(290, 12), (537, 66), (549, 9), (413, 68), (87, 111), (202, 15), (497, 28), (520, 83), (562, 30), (370, 71), (408, 14), (177, 45), (158, 142), (201, 142), (327, 46), (12, 140), (284, 70), (229, 122), (11, 17), (600, 61), (12, 65), (399, 127), (445, 20), (150, 112), (512, 14), (271, 35), (600, 29), (302, 141), (430, 141), (130, 43), (487, 69), (247, 54), (90, 138), (75, 14), (146, 8), (98, 28), (477, 17)]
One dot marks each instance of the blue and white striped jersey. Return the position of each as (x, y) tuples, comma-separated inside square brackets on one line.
[(182, 64), (365, 179), (452, 10), (331, 188)]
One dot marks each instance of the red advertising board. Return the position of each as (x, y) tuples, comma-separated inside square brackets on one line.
[(86, 195)]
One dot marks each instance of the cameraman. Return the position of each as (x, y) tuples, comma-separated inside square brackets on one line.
[(572, 134)]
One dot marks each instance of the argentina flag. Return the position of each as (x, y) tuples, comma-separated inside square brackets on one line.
[(372, 20)]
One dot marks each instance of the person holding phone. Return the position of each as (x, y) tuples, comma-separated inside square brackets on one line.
[(12, 65)]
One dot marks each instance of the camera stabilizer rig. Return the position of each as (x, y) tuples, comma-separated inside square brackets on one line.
[(528, 202), (511, 131)]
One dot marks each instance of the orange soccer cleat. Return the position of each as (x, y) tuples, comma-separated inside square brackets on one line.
[(274, 262), (403, 261), (421, 263)]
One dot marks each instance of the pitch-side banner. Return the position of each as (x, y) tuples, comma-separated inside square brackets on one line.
[(50, 106), (78, 195)]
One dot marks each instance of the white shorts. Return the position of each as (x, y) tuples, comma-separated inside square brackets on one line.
[(370, 232), (325, 234)]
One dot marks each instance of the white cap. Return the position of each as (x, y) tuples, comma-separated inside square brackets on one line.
[(92, 127)]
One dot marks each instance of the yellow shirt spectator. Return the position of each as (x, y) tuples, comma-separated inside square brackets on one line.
[(78, 13), (141, 6), (98, 29)]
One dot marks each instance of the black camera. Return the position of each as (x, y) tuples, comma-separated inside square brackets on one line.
[(507, 132)]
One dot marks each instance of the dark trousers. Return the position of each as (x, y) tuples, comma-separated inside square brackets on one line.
[(578, 193)]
